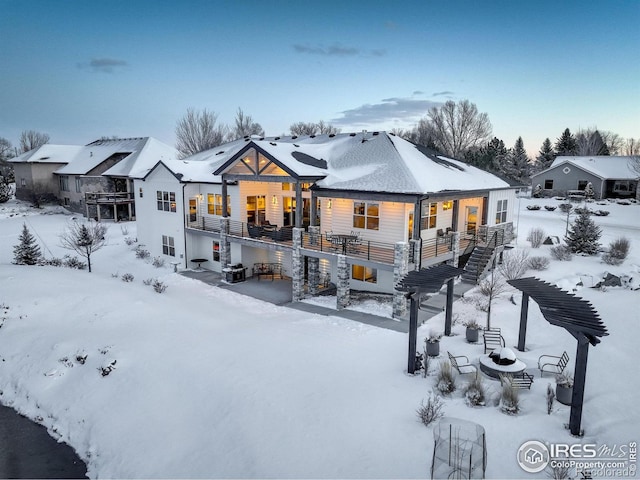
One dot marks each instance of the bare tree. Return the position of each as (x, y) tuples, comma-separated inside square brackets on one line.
[(422, 134), (634, 164), (312, 128), (30, 139), (245, 126), (5, 148), (613, 141), (590, 142), (197, 131), (458, 126), (327, 128), (631, 146), (84, 238)]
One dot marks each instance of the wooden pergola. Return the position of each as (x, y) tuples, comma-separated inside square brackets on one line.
[(427, 281), (574, 314)]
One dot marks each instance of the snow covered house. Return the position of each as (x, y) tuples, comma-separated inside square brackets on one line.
[(93, 179), (357, 210), (611, 176)]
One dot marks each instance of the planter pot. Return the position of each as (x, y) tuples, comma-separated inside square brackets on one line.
[(472, 335), (433, 349), (564, 394)]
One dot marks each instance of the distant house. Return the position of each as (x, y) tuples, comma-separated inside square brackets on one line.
[(611, 176), (355, 210), (93, 179)]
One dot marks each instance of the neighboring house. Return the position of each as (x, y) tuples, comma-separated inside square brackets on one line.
[(93, 179), (358, 210), (611, 177)]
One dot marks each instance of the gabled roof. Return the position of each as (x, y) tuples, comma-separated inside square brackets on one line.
[(602, 166), (145, 153), (368, 161), (48, 154)]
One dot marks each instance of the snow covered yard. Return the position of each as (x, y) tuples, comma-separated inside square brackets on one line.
[(207, 383)]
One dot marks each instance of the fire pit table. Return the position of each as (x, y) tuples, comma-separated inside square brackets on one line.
[(501, 360)]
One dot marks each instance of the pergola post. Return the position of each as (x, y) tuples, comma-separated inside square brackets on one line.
[(579, 376), (449, 308), (413, 332), (524, 311)]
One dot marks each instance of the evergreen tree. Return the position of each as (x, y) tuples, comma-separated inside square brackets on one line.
[(545, 157), (583, 235), (566, 144), (588, 191), (516, 164), (488, 157), (27, 252)]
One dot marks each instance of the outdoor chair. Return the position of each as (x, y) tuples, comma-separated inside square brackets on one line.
[(519, 381), (552, 363), (462, 368), (492, 340), (254, 230)]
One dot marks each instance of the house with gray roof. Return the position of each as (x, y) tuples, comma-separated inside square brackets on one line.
[(611, 176), (354, 210)]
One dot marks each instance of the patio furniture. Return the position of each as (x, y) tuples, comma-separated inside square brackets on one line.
[(282, 235), (199, 261), (235, 273), (552, 363), (267, 269), (462, 368), (492, 340), (519, 381), (502, 360), (255, 231)]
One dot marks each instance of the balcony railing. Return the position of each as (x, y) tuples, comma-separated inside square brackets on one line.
[(108, 197), (350, 246), (435, 247)]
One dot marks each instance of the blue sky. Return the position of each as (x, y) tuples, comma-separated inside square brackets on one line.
[(78, 70)]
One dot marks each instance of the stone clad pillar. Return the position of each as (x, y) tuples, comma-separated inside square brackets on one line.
[(455, 245), (400, 269), (416, 246), (342, 283), (225, 245), (297, 266)]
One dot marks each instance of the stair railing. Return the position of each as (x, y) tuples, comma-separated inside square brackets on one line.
[(492, 243)]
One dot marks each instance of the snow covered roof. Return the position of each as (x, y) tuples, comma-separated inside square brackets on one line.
[(145, 153), (48, 154), (603, 166)]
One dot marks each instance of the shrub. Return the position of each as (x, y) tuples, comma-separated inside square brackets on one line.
[(618, 251), (158, 262), (601, 213), (536, 236), (539, 263), (430, 411), (533, 207), (583, 235), (565, 207), (124, 230), (127, 277), (550, 208), (561, 252), (474, 392), (445, 382), (514, 263), (509, 400), (74, 262), (149, 281), (142, 253), (130, 241), (580, 210), (551, 395), (158, 286), (54, 262)]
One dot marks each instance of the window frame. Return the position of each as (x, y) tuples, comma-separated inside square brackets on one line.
[(364, 217), (501, 211), (168, 245), (166, 201), (64, 183), (363, 273), (428, 215), (548, 184)]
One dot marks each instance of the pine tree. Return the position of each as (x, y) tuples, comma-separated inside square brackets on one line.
[(516, 164), (546, 156), (588, 191), (583, 235), (566, 144), (27, 252), (488, 157)]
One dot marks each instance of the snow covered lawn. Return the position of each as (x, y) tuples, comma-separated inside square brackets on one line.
[(207, 383)]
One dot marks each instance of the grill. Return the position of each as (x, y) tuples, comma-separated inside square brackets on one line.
[(235, 273)]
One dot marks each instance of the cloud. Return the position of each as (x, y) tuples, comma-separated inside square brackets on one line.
[(104, 65), (389, 110), (446, 93), (337, 50)]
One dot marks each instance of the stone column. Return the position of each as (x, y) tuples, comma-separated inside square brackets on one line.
[(342, 283), (400, 269), (416, 245), (297, 266), (313, 274), (455, 245), (314, 235), (225, 245)]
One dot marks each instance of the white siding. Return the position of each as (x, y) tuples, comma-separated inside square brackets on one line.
[(494, 196)]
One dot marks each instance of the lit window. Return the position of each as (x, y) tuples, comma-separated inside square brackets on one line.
[(364, 274), (428, 215), (448, 205), (214, 204), (501, 212), (216, 251), (166, 201), (168, 246), (366, 215)]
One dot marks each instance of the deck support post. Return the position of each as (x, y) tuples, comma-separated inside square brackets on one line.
[(297, 266), (400, 269), (343, 289)]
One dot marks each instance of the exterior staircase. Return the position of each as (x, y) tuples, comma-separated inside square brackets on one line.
[(477, 264)]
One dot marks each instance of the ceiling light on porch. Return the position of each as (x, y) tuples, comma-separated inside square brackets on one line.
[(329, 204), (274, 200)]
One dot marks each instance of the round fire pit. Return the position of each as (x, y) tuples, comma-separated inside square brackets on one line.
[(501, 360)]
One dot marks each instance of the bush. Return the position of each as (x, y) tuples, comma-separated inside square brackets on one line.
[(431, 411), (127, 277), (130, 241), (474, 392), (158, 286), (445, 382), (158, 262), (565, 207), (142, 253), (514, 263), (551, 395), (149, 281), (539, 263), (124, 230), (561, 252), (54, 262), (533, 207), (74, 262), (550, 208), (509, 401), (536, 236), (618, 251), (601, 213)]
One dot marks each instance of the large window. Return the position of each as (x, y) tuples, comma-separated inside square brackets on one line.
[(366, 215), (168, 246), (166, 201), (501, 212), (78, 185), (364, 274), (64, 183), (256, 209), (428, 215), (548, 184), (214, 204)]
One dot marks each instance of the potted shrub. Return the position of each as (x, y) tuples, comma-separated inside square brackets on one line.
[(432, 343), (564, 388), (472, 331)]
